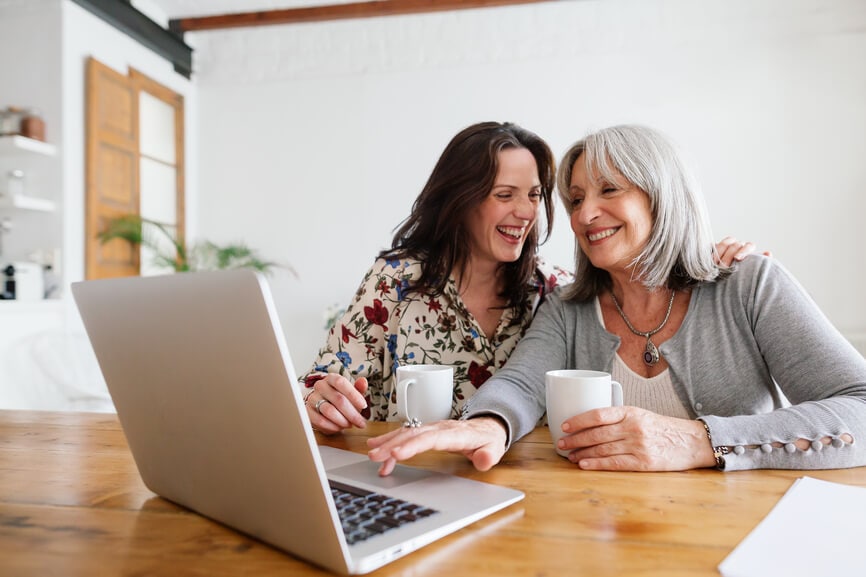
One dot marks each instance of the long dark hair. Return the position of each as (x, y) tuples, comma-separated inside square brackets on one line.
[(436, 230)]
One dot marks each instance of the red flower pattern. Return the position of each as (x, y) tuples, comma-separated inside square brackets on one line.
[(311, 380), (384, 327), (376, 314), (347, 333), (478, 374)]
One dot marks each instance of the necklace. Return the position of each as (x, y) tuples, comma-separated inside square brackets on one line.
[(651, 352)]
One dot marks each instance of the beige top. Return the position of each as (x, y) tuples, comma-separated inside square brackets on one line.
[(655, 394)]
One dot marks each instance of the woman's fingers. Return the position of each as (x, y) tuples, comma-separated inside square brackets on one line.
[(335, 384), (634, 439), (744, 250), (729, 249), (374, 442), (482, 440), (335, 404)]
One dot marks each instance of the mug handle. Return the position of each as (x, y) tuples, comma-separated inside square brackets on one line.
[(616, 390), (403, 398)]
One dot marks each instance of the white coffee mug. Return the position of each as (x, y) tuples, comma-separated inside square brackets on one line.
[(424, 392), (571, 392)]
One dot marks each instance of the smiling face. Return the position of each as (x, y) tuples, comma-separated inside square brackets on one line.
[(498, 226), (612, 221)]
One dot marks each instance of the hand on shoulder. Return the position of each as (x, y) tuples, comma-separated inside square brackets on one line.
[(730, 250)]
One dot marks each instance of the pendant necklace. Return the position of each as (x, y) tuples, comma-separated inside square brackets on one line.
[(651, 353)]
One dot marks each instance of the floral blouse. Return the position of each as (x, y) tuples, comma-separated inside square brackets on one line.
[(387, 325)]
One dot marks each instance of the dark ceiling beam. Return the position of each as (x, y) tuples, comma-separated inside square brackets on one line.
[(123, 16), (333, 12)]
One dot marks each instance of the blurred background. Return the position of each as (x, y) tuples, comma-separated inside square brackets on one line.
[(310, 141)]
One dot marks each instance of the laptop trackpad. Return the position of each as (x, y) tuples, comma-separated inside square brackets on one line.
[(367, 472)]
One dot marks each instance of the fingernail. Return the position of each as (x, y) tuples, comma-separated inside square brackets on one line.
[(566, 427)]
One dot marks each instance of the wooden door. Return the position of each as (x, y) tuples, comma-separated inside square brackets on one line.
[(111, 173)]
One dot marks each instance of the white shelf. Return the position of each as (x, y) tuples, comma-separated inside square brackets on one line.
[(21, 145), (26, 203), (10, 145), (28, 307)]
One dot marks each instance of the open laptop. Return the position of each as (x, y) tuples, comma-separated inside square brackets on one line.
[(205, 390)]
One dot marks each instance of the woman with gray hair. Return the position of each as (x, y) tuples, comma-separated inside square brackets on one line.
[(726, 367), (459, 285)]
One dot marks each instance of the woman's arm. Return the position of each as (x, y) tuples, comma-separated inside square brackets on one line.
[(504, 409), (347, 377), (516, 393), (819, 372)]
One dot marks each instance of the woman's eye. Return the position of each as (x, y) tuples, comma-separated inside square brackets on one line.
[(575, 202), (608, 190), (503, 195), (535, 195)]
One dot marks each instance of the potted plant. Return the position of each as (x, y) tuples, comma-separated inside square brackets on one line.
[(171, 252)]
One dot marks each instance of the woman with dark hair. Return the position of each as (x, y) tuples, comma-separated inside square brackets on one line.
[(720, 366), (459, 285)]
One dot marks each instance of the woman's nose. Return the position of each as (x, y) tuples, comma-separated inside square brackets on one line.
[(586, 212), (525, 208)]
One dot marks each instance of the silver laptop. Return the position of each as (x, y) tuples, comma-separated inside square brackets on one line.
[(205, 390)]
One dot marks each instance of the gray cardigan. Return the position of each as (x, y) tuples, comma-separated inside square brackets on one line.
[(740, 337)]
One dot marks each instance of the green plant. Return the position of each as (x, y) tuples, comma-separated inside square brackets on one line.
[(170, 251)]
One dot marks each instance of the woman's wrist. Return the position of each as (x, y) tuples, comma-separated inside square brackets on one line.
[(494, 424), (718, 452)]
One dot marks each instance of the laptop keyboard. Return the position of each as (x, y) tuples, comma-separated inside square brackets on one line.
[(365, 514)]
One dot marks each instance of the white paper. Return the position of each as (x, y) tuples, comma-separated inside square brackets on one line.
[(815, 529)]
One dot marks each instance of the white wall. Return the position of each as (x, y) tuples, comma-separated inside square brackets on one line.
[(45, 359), (85, 35), (310, 142), (315, 139), (32, 29)]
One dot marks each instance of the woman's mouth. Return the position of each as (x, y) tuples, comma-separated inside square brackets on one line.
[(601, 234), (512, 232)]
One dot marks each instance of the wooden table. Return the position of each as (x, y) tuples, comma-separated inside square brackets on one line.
[(72, 503)]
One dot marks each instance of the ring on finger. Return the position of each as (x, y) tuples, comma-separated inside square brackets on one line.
[(318, 405)]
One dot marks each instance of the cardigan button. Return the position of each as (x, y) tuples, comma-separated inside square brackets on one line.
[(766, 447), (837, 442), (790, 447), (739, 450), (698, 406), (817, 445)]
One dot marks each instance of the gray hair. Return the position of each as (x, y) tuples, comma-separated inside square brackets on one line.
[(680, 249)]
